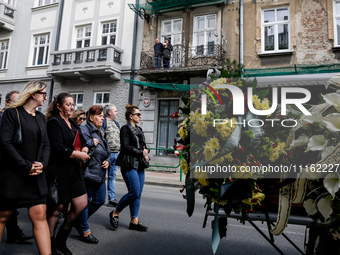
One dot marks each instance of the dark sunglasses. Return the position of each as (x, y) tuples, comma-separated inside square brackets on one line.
[(138, 114), (81, 118), (42, 93)]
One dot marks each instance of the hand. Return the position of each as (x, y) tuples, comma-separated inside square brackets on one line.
[(95, 141), (146, 159), (105, 165), (36, 169), (145, 152), (85, 149), (82, 156)]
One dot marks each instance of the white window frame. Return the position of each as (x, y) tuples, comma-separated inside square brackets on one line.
[(84, 35), (4, 52), (275, 25), (37, 45), (172, 33), (102, 103), (336, 17), (9, 2), (75, 99), (208, 32), (109, 33), (46, 2)]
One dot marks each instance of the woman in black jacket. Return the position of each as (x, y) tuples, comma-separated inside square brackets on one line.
[(64, 166), (95, 170), (22, 175), (131, 158)]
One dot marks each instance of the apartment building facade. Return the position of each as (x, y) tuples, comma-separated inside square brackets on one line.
[(84, 47)]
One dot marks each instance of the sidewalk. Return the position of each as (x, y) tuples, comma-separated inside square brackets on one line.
[(168, 179)]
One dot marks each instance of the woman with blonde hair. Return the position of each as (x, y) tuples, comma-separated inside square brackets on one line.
[(78, 116), (22, 175)]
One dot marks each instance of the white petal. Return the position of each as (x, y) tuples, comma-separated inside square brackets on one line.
[(310, 207), (302, 140), (332, 121), (327, 151), (332, 99), (332, 183), (324, 207), (316, 116), (316, 143)]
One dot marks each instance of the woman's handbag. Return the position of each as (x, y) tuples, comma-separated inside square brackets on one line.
[(53, 195), (144, 163), (17, 138)]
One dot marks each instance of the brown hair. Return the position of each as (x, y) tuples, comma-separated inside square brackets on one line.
[(77, 113), (94, 110), (52, 109), (130, 109)]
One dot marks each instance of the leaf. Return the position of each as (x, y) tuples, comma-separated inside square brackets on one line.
[(215, 237), (324, 207), (316, 143), (263, 93), (185, 100), (225, 74), (184, 110), (332, 183), (332, 121), (310, 207), (226, 186), (190, 192)]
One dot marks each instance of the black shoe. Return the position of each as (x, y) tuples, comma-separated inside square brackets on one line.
[(89, 239), (112, 203), (138, 227), (17, 236), (114, 221), (61, 238)]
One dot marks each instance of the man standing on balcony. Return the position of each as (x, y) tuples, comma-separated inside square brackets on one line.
[(158, 48), (112, 131)]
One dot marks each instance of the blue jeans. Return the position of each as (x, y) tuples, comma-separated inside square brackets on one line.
[(158, 62), (134, 181), (96, 193), (112, 174)]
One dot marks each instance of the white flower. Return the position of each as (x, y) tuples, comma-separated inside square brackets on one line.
[(332, 121), (325, 207), (333, 99), (302, 140), (310, 207), (332, 183), (316, 143), (327, 151), (316, 116)]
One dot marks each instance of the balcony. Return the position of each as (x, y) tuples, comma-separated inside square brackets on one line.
[(185, 62), (86, 62), (6, 16)]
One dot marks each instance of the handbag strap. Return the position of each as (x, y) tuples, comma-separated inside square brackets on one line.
[(18, 118)]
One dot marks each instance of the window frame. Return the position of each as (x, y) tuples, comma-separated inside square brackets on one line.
[(84, 36), (275, 25), (75, 99), (169, 144), (101, 92), (43, 2), (46, 46), (172, 32), (108, 34), (207, 32), (4, 61), (10, 2)]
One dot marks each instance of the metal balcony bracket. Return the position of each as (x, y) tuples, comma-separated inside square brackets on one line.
[(83, 77)]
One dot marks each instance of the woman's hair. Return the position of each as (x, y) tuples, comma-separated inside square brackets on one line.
[(77, 113), (130, 109), (30, 88), (52, 109), (94, 110)]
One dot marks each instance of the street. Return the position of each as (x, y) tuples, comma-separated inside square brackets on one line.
[(171, 231)]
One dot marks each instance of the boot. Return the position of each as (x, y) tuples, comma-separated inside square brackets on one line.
[(61, 241), (53, 248)]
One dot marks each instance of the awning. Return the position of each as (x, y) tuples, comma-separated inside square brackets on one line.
[(162, 6), (166, 86)]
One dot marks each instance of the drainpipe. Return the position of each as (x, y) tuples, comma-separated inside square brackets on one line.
[(133, 59), (241, 36), (56, 45)]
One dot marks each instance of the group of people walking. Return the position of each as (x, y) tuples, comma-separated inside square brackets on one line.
[(38, 152)]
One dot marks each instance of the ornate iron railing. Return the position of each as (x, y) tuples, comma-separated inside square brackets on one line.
[(181, 57)]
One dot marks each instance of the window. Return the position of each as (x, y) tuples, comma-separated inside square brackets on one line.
[(78, 100), (3, 53), (275, 32), (41, 48), (172, 29), (205, 33), (45, 2), (101, 98), (83, 36), (167, 128), (336, 8), (109, 30), (9, 2)]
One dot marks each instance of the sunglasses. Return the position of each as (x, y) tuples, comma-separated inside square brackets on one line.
[(138, 114), (81, 118), (42, 93)]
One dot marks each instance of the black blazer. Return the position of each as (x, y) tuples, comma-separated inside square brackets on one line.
[(17, 159), (131, 151), (61, 139)]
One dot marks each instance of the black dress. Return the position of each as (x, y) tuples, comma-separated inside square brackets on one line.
[(66, 170), (18, 188)]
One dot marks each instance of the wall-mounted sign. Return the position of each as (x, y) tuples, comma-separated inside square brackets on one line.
[(146, 101)]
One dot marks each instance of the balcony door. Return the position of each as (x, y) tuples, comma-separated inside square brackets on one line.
[(172, 30)]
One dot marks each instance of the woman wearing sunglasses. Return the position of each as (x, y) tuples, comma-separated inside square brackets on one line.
[(78, 116), (132, 158)]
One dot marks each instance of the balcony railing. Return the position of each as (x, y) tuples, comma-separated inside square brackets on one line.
[(6, 16), (182, 57)]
